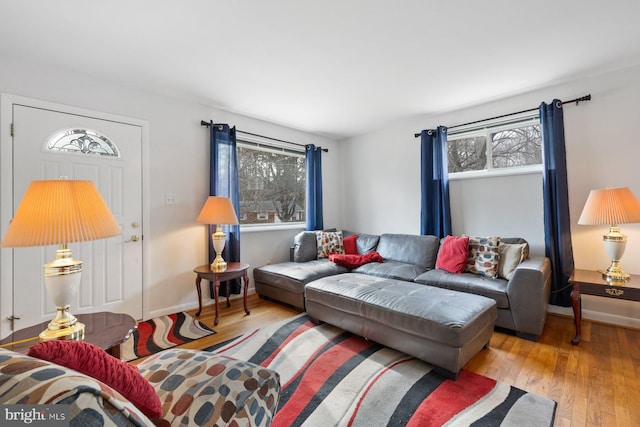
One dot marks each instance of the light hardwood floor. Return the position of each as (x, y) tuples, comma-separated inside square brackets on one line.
[(596, 383)]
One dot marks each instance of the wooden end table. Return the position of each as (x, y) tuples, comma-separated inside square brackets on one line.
[(592, 283), (234, 270), (104, 329)]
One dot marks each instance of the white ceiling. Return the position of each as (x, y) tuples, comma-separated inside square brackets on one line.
[(332, 67)]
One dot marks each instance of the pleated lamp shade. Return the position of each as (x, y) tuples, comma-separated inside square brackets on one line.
[(610, 206), (218, 210), (59, 212)]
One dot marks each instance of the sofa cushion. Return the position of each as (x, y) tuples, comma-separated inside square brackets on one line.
[(30, 381), (366, 243), (292, 276), (420, 251), (329, 242), (203, 388), (495, 289), (483, 256), (305, 246), (391, 270), (453, 254)]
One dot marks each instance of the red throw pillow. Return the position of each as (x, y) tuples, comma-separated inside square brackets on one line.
[(350, 246), (93, 361), (453, 254), (354, 261)]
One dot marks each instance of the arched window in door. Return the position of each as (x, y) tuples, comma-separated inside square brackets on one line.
[(84, 141)]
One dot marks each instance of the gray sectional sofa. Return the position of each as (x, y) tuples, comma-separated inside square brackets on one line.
[(405, 302)]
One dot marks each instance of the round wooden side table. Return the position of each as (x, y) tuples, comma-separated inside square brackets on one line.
[(234, 270), (104, 329)]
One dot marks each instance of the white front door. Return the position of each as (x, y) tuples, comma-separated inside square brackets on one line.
[(112, 268)]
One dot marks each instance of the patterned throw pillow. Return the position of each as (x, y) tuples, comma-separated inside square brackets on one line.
[(484, 256), (329, 242)]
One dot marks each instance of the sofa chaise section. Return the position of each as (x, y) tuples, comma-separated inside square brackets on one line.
[(443, 327), (285, 281)]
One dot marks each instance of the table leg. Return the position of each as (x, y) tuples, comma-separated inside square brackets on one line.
[(114, 351), (216, 288), (576, 302), (244, 297), (198, 281), (228, 303)]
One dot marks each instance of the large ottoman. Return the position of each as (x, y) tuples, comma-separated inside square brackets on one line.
[(443, 327)]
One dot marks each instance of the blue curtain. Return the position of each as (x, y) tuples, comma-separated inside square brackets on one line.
[(313, 157), (435, 214), (557, 233), (224, 183)]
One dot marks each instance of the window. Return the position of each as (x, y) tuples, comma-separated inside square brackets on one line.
[(84, 141), (272, 184), (508, 147)]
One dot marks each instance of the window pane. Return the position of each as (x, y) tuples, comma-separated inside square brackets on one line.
[(272, 186), (85, 141), (467, 154), (517, 147)]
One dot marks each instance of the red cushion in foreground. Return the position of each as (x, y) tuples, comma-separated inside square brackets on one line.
[(453, 254), (354, 261), (93, 361)]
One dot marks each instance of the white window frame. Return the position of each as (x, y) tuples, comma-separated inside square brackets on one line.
[(486, 129), (253, 142)]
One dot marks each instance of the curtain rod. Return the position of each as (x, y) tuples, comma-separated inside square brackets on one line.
[(576, 100), (207, 124)]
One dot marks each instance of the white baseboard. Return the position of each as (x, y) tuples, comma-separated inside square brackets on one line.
[(598, 316), (192, 305)]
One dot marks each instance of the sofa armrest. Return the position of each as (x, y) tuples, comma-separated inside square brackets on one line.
[(203, 388), (305, 247), (528, 292), (30, 381)]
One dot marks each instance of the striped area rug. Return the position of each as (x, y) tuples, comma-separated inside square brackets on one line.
[(161, 333), (330, 377)]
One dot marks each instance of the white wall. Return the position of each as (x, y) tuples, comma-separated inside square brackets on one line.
[(512, 203), (383, 192), (371, 182), (178, 158)]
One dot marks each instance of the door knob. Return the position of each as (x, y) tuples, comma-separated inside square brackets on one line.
[(133, 238)]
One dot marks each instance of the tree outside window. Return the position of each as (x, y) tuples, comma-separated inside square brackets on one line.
[(510, 146), (272, 185)]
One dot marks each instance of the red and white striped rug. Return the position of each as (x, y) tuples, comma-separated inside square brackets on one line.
[(331, 377), (161, 333)]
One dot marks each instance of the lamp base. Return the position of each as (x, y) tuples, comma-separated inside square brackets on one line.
[(64, 326), (615, 273), (218, 265), (218, 238)]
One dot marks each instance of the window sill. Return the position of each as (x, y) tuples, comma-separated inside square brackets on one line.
[(524, 170), (271, 227)]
